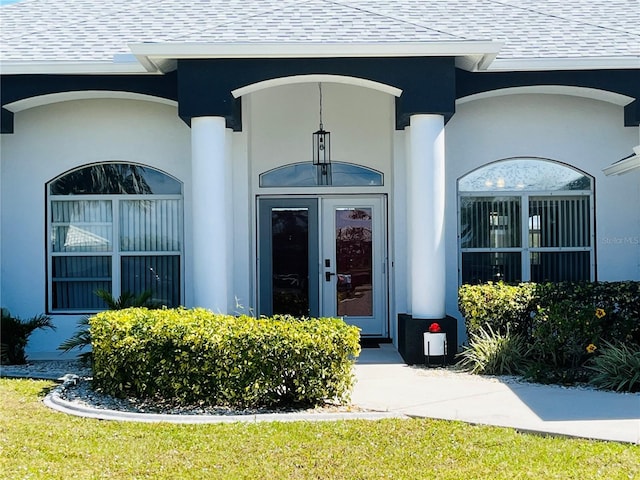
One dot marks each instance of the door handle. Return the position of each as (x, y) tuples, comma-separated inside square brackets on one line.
[(327, 276)]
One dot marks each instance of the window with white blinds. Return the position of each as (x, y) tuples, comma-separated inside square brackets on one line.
[(525, 219), (114, 227)]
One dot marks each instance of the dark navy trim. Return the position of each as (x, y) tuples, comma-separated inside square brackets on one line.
[(204, 86), (632, 113), (20, 87), (624, 82), (6, 121), (429, 85)]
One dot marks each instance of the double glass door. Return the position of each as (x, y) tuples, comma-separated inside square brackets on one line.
[(324, 256)]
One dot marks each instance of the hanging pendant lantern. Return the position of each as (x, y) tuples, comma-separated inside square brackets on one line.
[(321, 147), (321, 141)]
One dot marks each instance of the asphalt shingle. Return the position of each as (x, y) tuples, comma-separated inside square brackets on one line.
[(95, 31)]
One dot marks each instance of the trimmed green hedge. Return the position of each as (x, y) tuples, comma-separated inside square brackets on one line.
[(196, 356), (569, 306), (619, 301), (499, 305)]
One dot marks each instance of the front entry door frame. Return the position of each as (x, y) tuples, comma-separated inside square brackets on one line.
[(320, 210), (265, 249)]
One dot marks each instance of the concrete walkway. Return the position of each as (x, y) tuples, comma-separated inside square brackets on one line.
[(386, 387), (386, 384)]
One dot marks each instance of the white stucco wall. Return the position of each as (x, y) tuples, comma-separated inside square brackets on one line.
[(585, 133), (278, 122), (281, 120), (50, 140)]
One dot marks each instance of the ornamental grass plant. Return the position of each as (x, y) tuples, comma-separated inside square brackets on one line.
[(493, 353), (616, 367)]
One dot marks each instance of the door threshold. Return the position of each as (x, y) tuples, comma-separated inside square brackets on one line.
[(373, 342)]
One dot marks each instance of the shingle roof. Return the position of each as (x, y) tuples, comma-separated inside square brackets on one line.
[(95, 30)]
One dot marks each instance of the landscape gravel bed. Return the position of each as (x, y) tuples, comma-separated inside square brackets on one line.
[(77, 389)]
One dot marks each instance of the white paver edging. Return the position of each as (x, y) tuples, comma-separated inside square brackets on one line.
[(55, 401)]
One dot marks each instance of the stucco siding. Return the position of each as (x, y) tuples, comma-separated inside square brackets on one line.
[(277, 125), (50, 140), (584, 133), (282, 119)]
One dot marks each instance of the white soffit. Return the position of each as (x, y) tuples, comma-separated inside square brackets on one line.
[(625, 165), (471, 55)]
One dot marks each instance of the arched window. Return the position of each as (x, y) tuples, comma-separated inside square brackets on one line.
[(114, 227), (305, 174), (526, 219)]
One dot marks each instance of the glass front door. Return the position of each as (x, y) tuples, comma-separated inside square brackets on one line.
[(324, 257)]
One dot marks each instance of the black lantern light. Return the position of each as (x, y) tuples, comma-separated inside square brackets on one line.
[(322, 150), (321, 141)]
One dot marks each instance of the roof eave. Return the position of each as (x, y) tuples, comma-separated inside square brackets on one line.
[(129, 65), (158, 58), (625, 165), (568, 63), (470, 55)]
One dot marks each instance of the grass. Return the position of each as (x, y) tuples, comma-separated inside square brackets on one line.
[(38, 443)]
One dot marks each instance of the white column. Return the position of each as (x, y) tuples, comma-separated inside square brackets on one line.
[(209, 181), (426, 196)]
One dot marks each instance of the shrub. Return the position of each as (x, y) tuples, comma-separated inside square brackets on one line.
[(195, 356), (493, 353), (15, 334), (561, 332), (81, 339), (619, 301), (616, 367), (499, 305), (557, 321)]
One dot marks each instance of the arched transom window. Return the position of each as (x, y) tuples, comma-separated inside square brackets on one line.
[(305, 174), (114, 227), (526, 219)]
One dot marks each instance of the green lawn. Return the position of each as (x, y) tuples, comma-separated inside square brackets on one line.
[(36, 442)]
